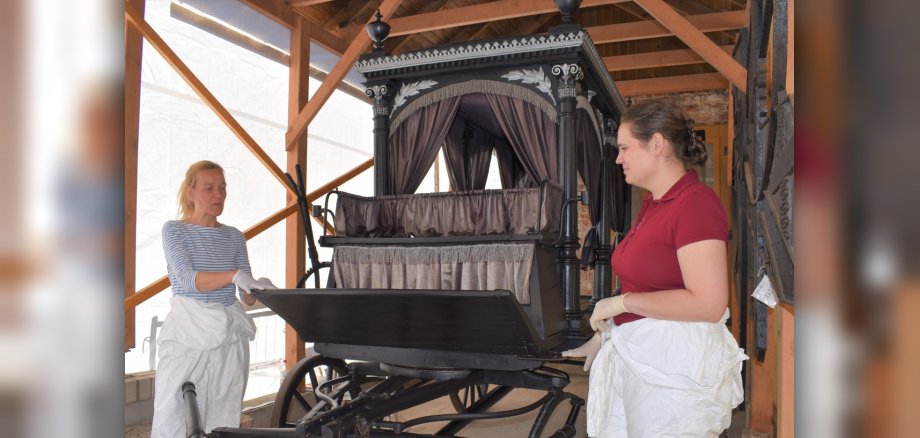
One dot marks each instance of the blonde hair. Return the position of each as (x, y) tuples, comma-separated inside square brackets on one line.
[(186, 206)]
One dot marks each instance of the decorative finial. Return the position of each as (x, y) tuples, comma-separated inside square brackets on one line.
[(378, 31), (568, 8)]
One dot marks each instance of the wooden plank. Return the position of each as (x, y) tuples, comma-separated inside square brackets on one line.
[(136, 20), (729, 166), (163, 282), (134, 47), (672, 84), (785, 365), (299, 3), (346, 14), (790, 53), (663, 58), (360, 43), (638, 30), (430, 6), (474, 14), (761, 377), (700, 43), (295, 247)]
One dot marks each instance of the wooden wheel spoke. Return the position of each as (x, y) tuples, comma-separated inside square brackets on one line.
[(303, 402)]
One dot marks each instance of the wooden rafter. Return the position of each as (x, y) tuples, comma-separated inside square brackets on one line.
[(345, 63), (700, 43), (136, 19), (429, 6), (661, 58), (299, 3), (351, 10), (672, 84), (474, 14), (637, 30)]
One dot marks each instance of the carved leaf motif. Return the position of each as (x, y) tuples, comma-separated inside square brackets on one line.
[(411, 89), (532, 77)]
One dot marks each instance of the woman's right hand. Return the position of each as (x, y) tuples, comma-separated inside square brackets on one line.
[(588, 350)]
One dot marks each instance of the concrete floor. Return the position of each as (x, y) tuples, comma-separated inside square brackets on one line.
[(518, 426)]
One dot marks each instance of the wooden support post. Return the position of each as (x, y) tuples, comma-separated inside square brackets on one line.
[(134, 46), (298, 94), (761, 375), (785, 370), (697, 41)]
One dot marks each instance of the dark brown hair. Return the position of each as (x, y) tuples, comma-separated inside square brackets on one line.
[(655, 115)]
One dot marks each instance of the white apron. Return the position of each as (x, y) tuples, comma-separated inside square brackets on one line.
[(655, 378), (208, 345)]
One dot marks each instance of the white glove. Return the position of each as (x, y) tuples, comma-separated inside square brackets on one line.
[(606, 309), (588, 350), (266, 283), (245, 282)]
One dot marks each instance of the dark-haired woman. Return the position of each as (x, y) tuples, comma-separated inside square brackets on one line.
[(665, 365)]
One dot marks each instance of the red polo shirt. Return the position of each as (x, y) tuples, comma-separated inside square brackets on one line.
[(646, 259)]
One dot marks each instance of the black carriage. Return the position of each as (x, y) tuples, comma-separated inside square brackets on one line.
[(470, 293)]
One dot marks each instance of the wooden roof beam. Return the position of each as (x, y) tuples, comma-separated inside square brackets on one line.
[(672, 84), (701, 44), (638, 30), (360, 43), (299, 3), (475, 14), (663, 58), (278, 11)]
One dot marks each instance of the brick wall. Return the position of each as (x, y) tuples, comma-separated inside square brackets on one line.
[(704, 107)]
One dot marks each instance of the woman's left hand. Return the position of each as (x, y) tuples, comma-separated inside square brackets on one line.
[(604, 309)]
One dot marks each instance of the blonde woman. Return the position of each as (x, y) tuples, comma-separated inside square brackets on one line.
[(205, 338)]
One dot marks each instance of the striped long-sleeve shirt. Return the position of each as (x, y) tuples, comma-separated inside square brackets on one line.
[(193, 248)]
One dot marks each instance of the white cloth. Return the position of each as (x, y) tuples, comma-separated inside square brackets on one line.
[(206, 344), (655, 378)]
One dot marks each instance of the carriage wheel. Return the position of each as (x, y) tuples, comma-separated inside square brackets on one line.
[(290, 404), (465, 397)]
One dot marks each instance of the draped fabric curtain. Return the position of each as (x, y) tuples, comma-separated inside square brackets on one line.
[(468, 152), (530, 132), (512, 173), (479, 156), (415, 143), (474, 213), (588, 162), (469, 267)]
